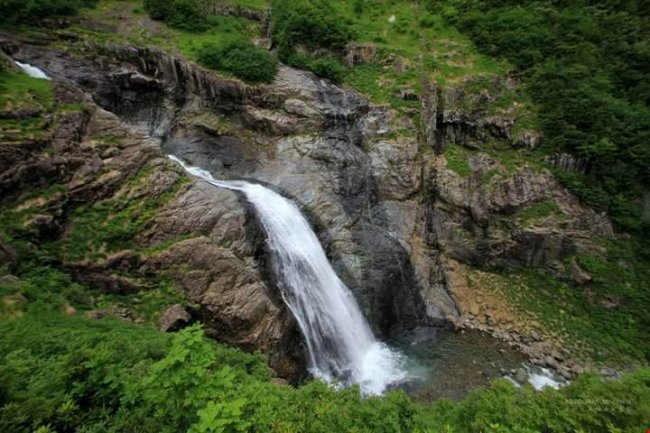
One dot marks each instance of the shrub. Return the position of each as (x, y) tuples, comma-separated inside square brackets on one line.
[(240, 58), (66, 374), (327, 67), (313, 24), (188, 15), (30, 11)]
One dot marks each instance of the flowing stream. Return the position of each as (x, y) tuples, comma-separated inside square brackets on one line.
[(32, 71), (340, 344)]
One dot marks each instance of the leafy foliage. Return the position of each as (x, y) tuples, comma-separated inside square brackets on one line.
[(65, 374), (308, 35), (313, 24), (27, 11), (188, 15), (240, 58)]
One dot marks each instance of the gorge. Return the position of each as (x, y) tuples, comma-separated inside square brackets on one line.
[(373, 236)]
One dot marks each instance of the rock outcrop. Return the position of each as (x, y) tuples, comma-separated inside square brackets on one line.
[(390, 214)]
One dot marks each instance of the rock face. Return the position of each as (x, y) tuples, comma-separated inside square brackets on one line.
[(484, 223), (389, 213)]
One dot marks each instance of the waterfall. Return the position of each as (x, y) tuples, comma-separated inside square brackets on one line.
[(32, 71), (341, 347)]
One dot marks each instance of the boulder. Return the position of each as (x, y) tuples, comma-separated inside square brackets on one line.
[(173, 319)]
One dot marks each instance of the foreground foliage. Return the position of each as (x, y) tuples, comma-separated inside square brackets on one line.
[(67, 374)]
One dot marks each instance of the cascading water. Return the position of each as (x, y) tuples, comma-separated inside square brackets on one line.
[(32, 71), (340, 344)]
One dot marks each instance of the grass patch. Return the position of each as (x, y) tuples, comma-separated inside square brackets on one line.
[(605, 320), (109, 225), (538, 211), (19, 91), (456, 157)]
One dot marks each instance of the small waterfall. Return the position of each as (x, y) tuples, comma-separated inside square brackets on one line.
[(32, 71), (340, 344)]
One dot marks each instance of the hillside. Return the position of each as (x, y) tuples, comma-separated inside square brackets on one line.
[(474, 173)]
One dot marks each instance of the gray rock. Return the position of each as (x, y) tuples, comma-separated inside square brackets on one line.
[(551, 362), (173, 319), (521, 376)]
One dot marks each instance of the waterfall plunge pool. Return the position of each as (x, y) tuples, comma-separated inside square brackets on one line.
[(341, 349)]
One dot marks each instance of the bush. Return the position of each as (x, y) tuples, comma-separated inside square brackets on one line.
[(72, 375), (30, 11), (327, 67), (314, 26), (190, 15), (311, 23), (240, 58)]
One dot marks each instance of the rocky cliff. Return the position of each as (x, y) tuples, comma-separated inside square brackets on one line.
[(394, 216)]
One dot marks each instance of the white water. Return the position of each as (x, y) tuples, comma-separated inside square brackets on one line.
[(32, 71), (340, 344), (542, 379)]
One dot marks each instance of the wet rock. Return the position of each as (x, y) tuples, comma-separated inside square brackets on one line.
[(123, 260), (577, 369), (608, 372), (521, 376), (557, 355), (300, 108), (279, 381), (611, 302), (173, 319)]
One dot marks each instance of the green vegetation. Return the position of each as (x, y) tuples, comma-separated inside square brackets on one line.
[(18, 91), (587, 65), (63, 374), (181, 14), (309, 34), (240, 58), (30, 97), (456, 157), (311, 24), (538, 211), (606, 319), (27, 11)]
